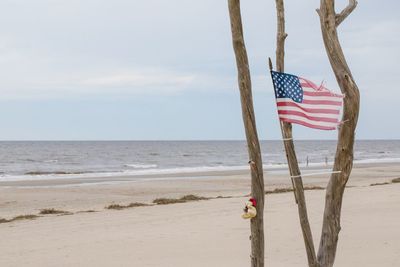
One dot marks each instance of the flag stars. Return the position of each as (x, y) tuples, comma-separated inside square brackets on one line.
[(287, 86)]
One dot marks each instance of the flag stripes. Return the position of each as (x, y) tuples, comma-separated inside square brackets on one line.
[(302, 102)]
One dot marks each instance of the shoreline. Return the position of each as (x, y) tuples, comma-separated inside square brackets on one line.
[(27, 197), (65, 180)]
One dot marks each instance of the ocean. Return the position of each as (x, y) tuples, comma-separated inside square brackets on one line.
[(29, 160)]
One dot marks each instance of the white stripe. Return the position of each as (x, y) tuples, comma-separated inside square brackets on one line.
[(327, 98), (318, 115), (308, 105), (312, 90), (308, 89), (316, 123), (315, 93)]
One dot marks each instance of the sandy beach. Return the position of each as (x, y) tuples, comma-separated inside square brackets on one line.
[(201, 233), (147, 133)]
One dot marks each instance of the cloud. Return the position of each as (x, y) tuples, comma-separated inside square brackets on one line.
[(105, 82), (154, 80)]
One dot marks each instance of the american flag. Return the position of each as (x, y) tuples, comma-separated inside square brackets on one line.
[(303, 102)]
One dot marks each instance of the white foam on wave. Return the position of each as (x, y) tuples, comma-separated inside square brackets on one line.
[(51, 161), (143, 172), (150, 169), (126, 173), (141, 166)]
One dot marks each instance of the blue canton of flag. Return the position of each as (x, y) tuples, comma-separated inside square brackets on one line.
[(287, 86)]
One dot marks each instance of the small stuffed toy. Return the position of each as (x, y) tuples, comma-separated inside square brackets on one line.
[(250, 209)]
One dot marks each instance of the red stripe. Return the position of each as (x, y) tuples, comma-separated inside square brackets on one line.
[(304, 84), (308, 83), (317, 93), (310, 110), (301, 114), (308, 124), (321, 102)]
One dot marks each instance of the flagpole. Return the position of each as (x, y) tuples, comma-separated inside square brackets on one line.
[(286, 138), (298, 188), (286, 129)]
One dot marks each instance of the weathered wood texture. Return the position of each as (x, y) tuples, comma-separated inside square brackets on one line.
[(286, 129), (257, 180), (344, 152)]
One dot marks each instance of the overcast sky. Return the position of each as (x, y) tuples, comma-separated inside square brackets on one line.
[(157, 69)]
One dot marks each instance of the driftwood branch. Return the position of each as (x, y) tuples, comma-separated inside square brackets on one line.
[(287, 136), (344, 152), (345, 12), (256, 169), (280, 35)]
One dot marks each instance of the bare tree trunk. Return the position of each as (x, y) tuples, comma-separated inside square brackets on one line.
[(289, 146), (257, 180), (344, 152)]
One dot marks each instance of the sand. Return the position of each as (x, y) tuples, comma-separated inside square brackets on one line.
[(203, 233)]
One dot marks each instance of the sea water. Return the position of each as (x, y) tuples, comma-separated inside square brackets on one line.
[(27, 160)]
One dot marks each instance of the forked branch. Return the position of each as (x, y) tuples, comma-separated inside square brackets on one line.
[(346, 12), (345, 146)]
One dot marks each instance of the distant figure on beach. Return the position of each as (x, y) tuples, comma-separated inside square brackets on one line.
[(307, 161), (326, 161)]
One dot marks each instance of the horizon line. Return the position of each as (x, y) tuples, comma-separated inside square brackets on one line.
[(177, 140)]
